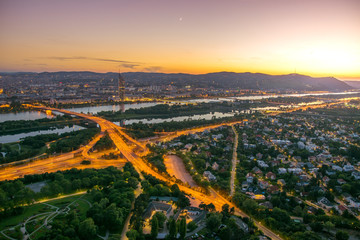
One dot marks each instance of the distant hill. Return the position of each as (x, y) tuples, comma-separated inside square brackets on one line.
[(227, 80), (244, 81), (353, 84)]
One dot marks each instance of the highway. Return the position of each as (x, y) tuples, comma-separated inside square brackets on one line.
[(126, 145)]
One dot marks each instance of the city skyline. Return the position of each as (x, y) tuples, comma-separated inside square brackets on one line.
[(276, 37)]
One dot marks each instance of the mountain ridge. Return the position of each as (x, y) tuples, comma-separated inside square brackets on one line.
[(231, 80)]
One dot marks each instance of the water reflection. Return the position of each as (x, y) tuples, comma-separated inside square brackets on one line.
[(18, 137)]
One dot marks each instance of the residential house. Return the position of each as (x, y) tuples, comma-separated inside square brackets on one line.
[(271, 176), (325, 203)]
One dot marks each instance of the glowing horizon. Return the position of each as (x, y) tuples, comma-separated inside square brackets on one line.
[(317, 38)]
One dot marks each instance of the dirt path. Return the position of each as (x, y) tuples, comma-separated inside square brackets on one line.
[(176, 167), (234, 162)]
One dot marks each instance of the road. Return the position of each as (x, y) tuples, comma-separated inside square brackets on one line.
[(126, 145), (234, 162)]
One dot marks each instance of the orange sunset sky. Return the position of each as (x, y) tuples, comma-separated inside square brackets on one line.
[(314, 37)]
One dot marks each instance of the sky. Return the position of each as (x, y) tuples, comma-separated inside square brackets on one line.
[(312, 37)]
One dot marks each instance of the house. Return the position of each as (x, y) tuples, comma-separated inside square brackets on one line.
[(348, 168), (282, 170), (258, 197), (188, 146), (347, 196), (217, 137), (337, 168), (353, 202), (329, 172), (259, 156), (341, 181), (250, 177), (295, 170), (262, 164), (209, 176), (275, 163), (273, 189), (240, 224), (155, 206), (281, 182), (271, 176), (244, 185), (267, 204), (326, 179), (325, 203), (257, 171), (340, 208), (215, 166), (356, 175), (263, 184)]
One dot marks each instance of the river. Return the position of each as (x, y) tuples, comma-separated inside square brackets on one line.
[(19, 136)]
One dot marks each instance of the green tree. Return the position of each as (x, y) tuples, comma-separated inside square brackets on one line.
[(328, 226), (113, 217), (161, 217), (154, 227), (182, 229), (132, 234), (308, 235), (341, 235), (213, 221), (191, 226), (87, 229), (172, 229)]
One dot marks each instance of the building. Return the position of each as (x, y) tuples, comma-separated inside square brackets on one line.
[(353, 202), (325, 203), (121, 88), (209, 176)]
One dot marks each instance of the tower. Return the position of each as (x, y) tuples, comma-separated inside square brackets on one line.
[(121, 86)]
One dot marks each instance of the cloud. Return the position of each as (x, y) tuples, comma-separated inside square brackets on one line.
[(129, 65), (153, 69), (93, 59)]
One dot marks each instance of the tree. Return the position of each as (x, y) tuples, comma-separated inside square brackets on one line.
[(328, 226), (213, 221), (115, 237), (154, 227), (308, 235), (225, 210), (182, 229), (172, 229), (316, 226), (183, 201), (87, 229), (113, 217), (211, 207), (191, 226), (298, 211), (161, 217), (341, 235), (132, 234)]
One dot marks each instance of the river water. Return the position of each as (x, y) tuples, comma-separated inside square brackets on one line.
[(19, 136), (33, 115), (207, 116)]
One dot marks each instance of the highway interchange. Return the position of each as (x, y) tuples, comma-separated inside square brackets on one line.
[(132, 150)]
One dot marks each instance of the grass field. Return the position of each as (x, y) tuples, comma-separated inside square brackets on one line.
[(81, 206), (28, 212)]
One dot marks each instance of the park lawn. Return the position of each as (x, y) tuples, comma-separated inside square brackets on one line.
[(81, 206), (63, 202), (39, 208), (28, 212)]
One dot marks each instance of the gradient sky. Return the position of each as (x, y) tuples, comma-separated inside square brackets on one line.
[(315, 37)]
